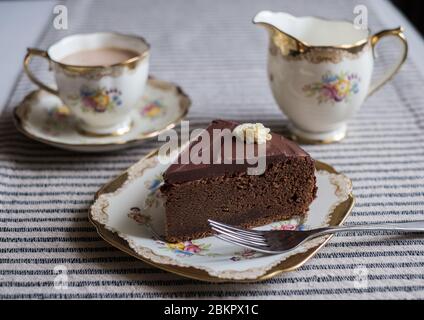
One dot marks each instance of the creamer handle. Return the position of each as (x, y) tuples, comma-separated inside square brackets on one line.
[(398, 33)]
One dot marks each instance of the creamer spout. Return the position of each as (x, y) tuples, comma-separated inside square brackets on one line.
[(272, 19)]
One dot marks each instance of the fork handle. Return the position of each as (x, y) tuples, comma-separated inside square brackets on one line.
[(416, 226)]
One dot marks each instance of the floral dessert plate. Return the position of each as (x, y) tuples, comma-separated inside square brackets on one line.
[(43, 117), (128, 213)]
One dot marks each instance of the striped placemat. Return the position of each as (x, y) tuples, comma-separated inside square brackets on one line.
[(214, 52)]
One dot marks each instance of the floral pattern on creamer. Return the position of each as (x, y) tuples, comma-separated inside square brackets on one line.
[(97, 100), (186, 248), (57, 118), (334, 88), (153, 109)]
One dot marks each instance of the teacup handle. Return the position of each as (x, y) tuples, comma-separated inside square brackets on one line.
[(398, 32), (41, 53)]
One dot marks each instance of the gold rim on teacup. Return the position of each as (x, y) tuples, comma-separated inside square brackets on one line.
[(31, 52)]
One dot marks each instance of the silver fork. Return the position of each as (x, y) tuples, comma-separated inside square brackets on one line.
[(279, 241)]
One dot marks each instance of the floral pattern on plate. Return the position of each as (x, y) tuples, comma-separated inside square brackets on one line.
[(56, 119), (182, 249), (187, 248), (245, 254), (291, 224), (152, 199), (139, 217), (153, 110)]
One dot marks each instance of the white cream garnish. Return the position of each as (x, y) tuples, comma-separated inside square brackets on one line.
[(252, 133)]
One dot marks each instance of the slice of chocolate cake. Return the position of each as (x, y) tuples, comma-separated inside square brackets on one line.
[(225, 190)]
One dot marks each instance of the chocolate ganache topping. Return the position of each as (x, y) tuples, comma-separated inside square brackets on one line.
[(226, 163)]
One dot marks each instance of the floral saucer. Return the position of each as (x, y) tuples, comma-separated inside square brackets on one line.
[(43, 117), (128, 213)]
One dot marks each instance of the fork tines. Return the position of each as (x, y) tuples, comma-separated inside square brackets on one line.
[(251, 239)]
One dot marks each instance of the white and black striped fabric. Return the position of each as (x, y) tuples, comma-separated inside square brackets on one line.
[(214, 52)]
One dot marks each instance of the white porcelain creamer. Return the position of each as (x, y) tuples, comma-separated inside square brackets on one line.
[(320, 71)]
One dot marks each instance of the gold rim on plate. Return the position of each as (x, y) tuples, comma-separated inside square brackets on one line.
[(337, 217)]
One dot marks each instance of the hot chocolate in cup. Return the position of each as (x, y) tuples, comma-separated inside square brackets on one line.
[(100, 77)]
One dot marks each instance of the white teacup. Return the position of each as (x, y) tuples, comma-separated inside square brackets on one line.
[(101, 97), (320, 71)]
